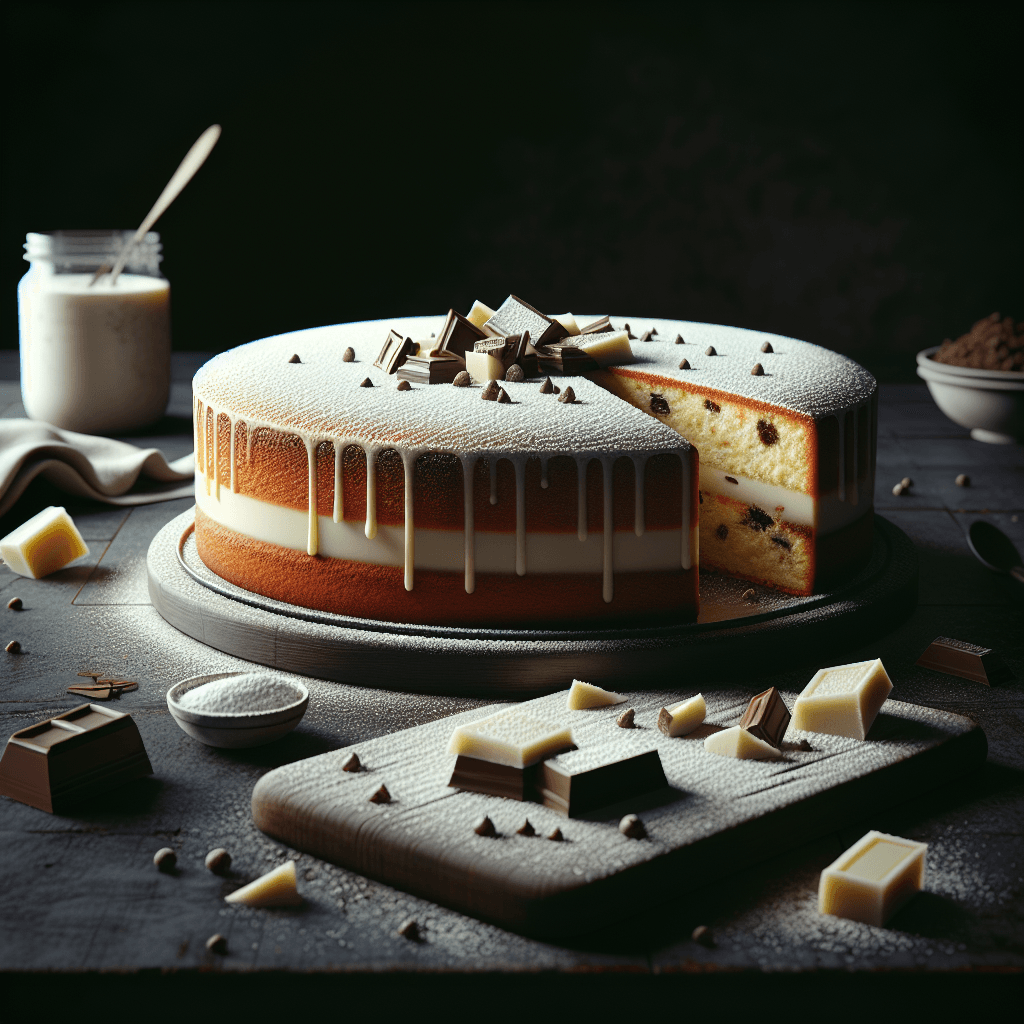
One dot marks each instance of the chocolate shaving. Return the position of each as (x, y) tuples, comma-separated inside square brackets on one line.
[(349, 355), (503, 398), (526, 829), (679, 340), (462, 379), (547, 388), (685, 364), (381, 796), (632, 827), (567, 397), (295, 359), (403, 385), (767, 347), (485, 827), (515, 374), (626, 719), (710, 351), (490, 392), (352, 764), (757, 371), (556, 835), (366, 383)]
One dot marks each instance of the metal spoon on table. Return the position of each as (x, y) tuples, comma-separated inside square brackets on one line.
[(194, 159), (995, 550)]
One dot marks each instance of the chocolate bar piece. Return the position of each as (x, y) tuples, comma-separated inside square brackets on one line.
[(477, 776), (436, 368), (576, 783), (959, 658), (601, 326), (767, 717), (515, 316), (395, 352), (564, 357), (458, 335), (57, 763)]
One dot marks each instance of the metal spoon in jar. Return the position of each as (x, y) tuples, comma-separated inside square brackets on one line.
[(995, 550), (194, 159)]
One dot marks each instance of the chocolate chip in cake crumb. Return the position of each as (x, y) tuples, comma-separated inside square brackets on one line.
[(15, 604), (485, 827), (526, 829), (547, 388), (295, 359), (503, 398), (963, 480), (490, 391), (632, 827), (781, 541), (732, 480), (767, 432), (380, 796), (403, 385), (349, 355), (710, 351), (702, 934), (757, 519), (366, 383), (658, 404), (515, 374), (750, 596), (567, 397), (757, 371), (767, 347), (462, 379), (409, 930), (352, 764), (685, 364), (646, 336), (722, 531), (679, 340), (712, 406), (555, 835), (627, 720)]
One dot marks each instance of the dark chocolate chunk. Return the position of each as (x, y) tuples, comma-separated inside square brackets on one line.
[(602, 326), (555, 835), (403, 384), (767, 347), (514, 374), (485, 827), (503, 398), (490, 391), (564, 357), (757, 519), (768, 432), (781, 541), (458, 334), (579, 782), (479, 776), (679, 340), (767, 717), (462, 379), (685, 364), (366, 383), (435, 368), (627, 719), (567, 397), (732, 480), (409, 930), (710, 351), (352, 764), (757, 371), (395, 351), (969, 661), (712, 406), (547, 387), (380, 796), (722, 531), (526, 829), (658, 405), (632, 827), (295, 359), (349, 355), (514, 316)]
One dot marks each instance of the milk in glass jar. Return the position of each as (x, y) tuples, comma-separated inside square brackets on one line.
[(95, 355)]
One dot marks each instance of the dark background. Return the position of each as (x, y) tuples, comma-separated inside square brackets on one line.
[(844, 173)]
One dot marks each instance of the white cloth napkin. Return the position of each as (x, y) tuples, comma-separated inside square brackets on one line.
[(92, 467)]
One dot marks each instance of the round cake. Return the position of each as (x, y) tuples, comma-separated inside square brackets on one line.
[(325, 481)]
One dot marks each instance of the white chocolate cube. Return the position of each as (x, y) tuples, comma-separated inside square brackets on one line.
[(843, 701), (516, 737), (482, 367), (274, 889), (608, 349), (585, 695), (873, 879), (737, 742), (479, 314), (684, 717), (43, 544), (568, 321)]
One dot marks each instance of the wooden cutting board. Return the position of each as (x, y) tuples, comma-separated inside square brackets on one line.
[(718, 815)]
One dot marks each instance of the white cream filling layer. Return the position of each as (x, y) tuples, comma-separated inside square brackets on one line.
[(826, 514), (655, 550)]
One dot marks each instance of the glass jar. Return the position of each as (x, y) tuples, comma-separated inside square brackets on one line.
[(95, 357)]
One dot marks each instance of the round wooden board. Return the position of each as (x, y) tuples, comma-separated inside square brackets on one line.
[(732, 635)]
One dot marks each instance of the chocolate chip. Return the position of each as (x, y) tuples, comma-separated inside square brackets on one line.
[(629, 333), (295, 359), (732, 480), (679, 340), (218, 861), (654, 331), (632, 827), (712, 406), (13, 647), (555, 835), (409, 930), (352, 764), (165, 859), (503, 398), (15, 604), (646, 336), (781, 541), (710, 351), (490, 391), (685, 364), (349, 355), (217, 944), (366, 383), (462, 379), (485, 827), (547, 387), (722, 531), (381, 796), (898, 489), (757, 371), (757, 519), (702, 934), (403, 385), (515, 374), (767, 347), (658, 405), (526, 829), (963, 480), (567, 397), (907, 482), (750, 596), (626, 719), (804, 745), (768, 432)]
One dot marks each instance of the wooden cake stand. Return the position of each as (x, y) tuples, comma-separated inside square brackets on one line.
[(732, 634)]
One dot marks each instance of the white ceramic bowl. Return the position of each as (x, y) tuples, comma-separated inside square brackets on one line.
[(245, 729), (990, 403)]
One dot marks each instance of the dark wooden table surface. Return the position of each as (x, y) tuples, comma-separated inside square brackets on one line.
[(79, 895)]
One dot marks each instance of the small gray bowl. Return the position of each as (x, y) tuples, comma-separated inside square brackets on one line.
[(990, 403), (238, 729)]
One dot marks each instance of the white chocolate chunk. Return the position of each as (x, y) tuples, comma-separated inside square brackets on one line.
[(274, 889), (479, 314), (585, 695), (843, 701), (684, 717), (568, 321), (737, 742), (516, 737), (43, 544), (609, 349), (482, 367), (872, 879)]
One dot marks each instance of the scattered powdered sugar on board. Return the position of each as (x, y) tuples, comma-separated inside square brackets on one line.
[(248, 693)]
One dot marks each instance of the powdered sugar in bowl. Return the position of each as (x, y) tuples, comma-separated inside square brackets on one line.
[(238, 709)]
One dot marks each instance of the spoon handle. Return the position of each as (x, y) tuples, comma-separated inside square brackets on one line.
[(194, 159)]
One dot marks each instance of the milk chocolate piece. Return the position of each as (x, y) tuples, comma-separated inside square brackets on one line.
[(295, 358), (515, 316), (767, 717), (458, 335), (574, 784), (959, 658), (566, 358), (395, 352), (485, 827), (57, 763), (477, 776), (598, 326), (435, 368)]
